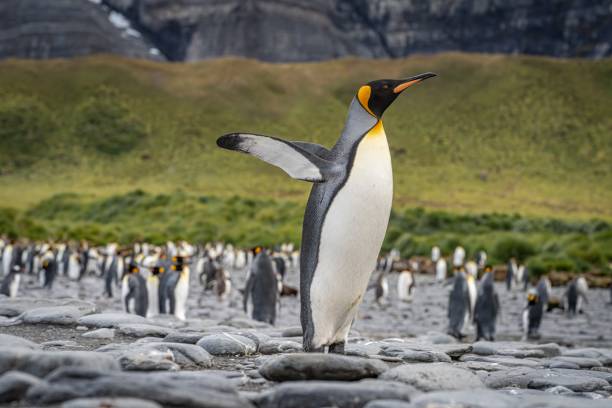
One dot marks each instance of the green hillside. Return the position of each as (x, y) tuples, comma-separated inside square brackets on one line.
[(491, 133)]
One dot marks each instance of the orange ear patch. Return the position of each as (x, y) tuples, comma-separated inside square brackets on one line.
[(364, 97)]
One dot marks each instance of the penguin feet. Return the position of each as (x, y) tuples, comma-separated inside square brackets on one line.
[(337, 348)]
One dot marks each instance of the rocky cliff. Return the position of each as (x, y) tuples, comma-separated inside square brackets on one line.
[(307, 30), (66, 28)]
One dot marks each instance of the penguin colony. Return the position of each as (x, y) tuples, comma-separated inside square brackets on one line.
[(153, 280)]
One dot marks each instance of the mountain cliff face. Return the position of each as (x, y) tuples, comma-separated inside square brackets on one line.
[(65, 28), (305, 30)]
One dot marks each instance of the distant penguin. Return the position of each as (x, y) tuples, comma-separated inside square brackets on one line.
[(481, 260), (435, 254), (223, 284), (575, 294), (281, 266), (519, 276), (134, 296), (487, 308), (208, 271), (458, 305), (473, 294), (523, 274), (112, 269), (11, 280), (458, 256), (532, 316), (176, 288), (441, 270), (241, 259), (347, 213), (381, 287), (510, 273), (261, 288), (153, 290), (49, 271), (583, 289), (74, 267), (544, 290), (7, 259), (405, 286), (471, 268)]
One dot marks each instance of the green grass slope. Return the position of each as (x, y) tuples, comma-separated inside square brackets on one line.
[(491, 133)]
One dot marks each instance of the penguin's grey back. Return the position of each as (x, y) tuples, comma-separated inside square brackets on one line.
[(487, 305), (458, 303), (262, 287)]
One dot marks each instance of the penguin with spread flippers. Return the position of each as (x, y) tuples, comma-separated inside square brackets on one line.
[(10, 283), (134, 296), (347, 212), (262, 289), (458, 305), (487, 308)]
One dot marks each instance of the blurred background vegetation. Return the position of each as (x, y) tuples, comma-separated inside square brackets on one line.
[(506, 153)]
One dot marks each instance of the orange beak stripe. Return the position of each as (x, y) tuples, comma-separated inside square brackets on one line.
[(405, 85)]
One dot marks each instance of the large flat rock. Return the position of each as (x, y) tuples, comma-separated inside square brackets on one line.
[(319, 366), (433, 377), (316, 394), (10, 341), (41, 363), (13, 307), (111, 320), (64, 315), (182, 389), (575, 380), (226, 344)]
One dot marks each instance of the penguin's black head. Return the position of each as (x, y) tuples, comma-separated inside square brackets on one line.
[(376, 96)]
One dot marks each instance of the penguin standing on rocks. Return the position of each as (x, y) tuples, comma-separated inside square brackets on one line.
[(262, 289), (405, 286), (49, 270), (511, 273), (487, 308), (134, 297), (441, 270), (153, 290), (532, 316), (458, 305), (544, 290), (575, 294), (347, 212), (223, 283), (176, 288), (10, 283), (473, 294), (381, 287)]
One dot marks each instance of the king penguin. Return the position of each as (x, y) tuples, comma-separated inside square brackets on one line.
[(134, 295), (10, 283), (487, 308), (347, 212)]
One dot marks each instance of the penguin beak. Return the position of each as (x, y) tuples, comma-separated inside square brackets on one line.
[(408, 82)]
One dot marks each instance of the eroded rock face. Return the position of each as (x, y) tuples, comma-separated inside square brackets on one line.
[(63, 29), (307, 30)]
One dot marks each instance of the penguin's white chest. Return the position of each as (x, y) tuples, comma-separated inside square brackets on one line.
[(351, 236)]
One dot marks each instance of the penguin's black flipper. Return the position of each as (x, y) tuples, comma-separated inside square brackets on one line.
[(293, 159)]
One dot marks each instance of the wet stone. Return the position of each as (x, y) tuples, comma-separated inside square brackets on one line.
[(14, 385), (63, 315), (315, 394), (416, 356), (276, 346), (110, 403), (14, 307), (143, 330), (103, 333), (195, 389), (186, 337), (41, 363), (226, 344), (10, 341), (575, 380), (111, 320), (433, 377), (319, 366)]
